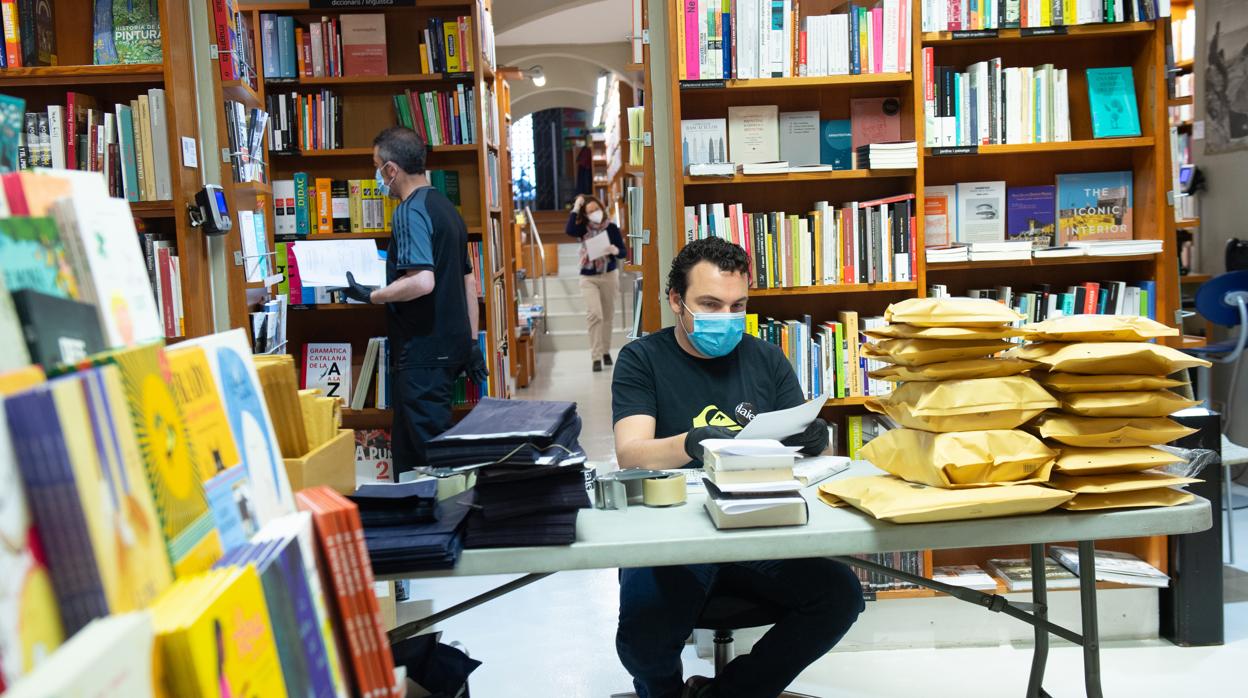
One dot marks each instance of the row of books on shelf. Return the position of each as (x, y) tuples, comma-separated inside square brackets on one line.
[(128, 144), (989, 104), (440, 117), (245, 130), (906, 561), (762, 134), (236, 52), (493, 183), (29, 34), (1091, 297), (76, 252), (476, 257), (760, 39), (826, 356), (1183, 86), (311, 121), (859, 242), (321, 205), (964, 15), (1080, 207), (253, 233), (208, 548), (1060, 571)]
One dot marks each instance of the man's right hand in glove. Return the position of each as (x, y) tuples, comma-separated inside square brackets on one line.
[(695, 437)]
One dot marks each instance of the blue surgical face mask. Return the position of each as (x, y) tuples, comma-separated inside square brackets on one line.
[(715, 334), (382, 187)]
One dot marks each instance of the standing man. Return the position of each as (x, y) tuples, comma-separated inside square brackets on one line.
[(430, 297)]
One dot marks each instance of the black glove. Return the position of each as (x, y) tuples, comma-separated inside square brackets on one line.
[(695, 437), (475, 369), (357, 291), (813, 440)]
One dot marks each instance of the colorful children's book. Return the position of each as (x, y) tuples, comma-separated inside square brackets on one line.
[(33, 256), (1094, 206)]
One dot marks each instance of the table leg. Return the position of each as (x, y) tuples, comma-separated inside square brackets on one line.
[(415, 627), (1039, 597), (1090, 630)]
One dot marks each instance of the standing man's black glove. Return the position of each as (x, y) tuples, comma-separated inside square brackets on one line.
[(695, 437), (357, 291), (813, 440), (476, 370)]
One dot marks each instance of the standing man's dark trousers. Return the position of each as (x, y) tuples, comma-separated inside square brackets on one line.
[(820, 598), (421, 399)]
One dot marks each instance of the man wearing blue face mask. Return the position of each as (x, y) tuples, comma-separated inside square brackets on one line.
[(671, 391), (430, 297)]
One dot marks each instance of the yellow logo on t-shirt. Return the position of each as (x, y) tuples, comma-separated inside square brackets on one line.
[(712, 416)]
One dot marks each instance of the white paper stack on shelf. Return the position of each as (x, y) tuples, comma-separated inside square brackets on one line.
[(997, 251), (1118, 248), (1114, 566), (713, 169), (952, 253), (771, 167), (888, 156)]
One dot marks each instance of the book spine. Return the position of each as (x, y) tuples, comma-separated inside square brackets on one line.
[(12, 33)]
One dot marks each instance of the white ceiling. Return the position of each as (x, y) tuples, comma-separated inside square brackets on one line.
[(604, 21)]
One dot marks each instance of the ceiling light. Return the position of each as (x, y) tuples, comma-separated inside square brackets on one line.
[(537, 75)]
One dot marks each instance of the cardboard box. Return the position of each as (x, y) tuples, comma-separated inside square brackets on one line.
[(332, 464)]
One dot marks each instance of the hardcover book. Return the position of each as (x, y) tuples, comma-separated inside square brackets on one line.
[(57, 330), (940, 215), (11, 115), (703, 141), (981, 212), (363, 44), (1094, 206), (800, 137), (1031, 215), (1111, 97), (753, 134), (836, 144), (136, 30)]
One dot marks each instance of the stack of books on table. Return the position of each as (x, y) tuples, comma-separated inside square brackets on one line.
[(750, 483), (1016, 573), (1114, 566), (902, 155)]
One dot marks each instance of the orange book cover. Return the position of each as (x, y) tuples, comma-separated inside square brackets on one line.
[(364, 44), (324, 211), (359, 567)]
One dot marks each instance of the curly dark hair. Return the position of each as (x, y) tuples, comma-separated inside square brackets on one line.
[(723, 254)]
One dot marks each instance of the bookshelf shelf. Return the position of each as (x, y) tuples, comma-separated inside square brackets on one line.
[(254, 188), (1044, 148), (368, 151), (834, 175), (240, 91), (334, 307), (1185, 66), (1179, 101), (303, 6), (333, 236), (1071, 33), (1195, 278), (838, 288), (687, 86), (1187, 223), (374, 418), (1191, 341), (363, 80), (152, 209), (136, 73), (1041, 262), (635, 67)]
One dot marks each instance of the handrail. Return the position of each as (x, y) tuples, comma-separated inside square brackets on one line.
[(536, 241)]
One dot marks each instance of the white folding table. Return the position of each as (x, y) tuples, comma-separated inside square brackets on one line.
[(646, 537)]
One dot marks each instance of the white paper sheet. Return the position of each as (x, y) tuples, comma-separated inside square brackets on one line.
[(326, 262), (768, 425), (819, 468), (595, 247), (761, 487), (749, 447), (751, 504)]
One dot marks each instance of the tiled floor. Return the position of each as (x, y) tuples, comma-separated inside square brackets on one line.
[(555, 638)]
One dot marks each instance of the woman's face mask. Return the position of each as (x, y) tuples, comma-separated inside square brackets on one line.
[(596, 217)]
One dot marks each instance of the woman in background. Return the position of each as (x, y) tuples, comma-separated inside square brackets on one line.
[(600, 281)]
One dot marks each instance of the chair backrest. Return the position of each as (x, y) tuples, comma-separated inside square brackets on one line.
[(1236, 255)]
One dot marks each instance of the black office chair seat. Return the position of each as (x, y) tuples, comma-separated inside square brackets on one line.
[(726, 610)]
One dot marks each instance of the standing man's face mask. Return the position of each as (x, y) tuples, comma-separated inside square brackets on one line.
[(715, 334), (382, 187)]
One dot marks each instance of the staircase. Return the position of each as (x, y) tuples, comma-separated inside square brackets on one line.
[(565, 307)]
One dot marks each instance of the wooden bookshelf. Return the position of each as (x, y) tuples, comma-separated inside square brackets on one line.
[(1140, 45), (41, 86), (367, 109)]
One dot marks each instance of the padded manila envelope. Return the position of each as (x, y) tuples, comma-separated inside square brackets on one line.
[(916, 352), (965, 405), (1073, 460), (1159, 497), (891, 499), (1118, 482), (904, 331), (959, 459), (1113, 382), (1108, 432), (1098, 328), (951, 312), (1145, 403), (1108, 357), (954, 370)]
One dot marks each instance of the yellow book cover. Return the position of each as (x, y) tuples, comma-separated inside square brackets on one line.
[(450, 44), (770, 257), (387, 207), (751, 324), (370, 206), (168, 455), (220, 641), (195, 390), (424, 59), (355, 204), (816, 222)]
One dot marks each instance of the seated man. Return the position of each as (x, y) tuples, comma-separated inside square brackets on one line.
[(671, 391)]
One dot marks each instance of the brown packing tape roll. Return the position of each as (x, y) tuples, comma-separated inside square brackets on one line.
[(663, 491)]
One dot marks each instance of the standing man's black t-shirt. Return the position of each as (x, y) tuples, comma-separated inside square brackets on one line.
[(432, 330), (655, 377)]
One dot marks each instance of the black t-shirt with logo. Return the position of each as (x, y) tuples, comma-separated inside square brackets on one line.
[(432, 330), (654, 376)]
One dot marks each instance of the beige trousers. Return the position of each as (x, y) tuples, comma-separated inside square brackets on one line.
[(599, 291)]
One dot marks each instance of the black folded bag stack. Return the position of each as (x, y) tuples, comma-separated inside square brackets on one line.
[(532, 481), (407, 529)]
